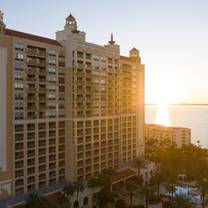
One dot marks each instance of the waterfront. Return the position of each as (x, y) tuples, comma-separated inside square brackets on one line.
[(190, 116)]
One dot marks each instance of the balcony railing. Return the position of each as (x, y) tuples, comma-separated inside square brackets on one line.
[(36, 52)]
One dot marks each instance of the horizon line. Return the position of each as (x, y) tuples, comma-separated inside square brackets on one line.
[(178, 104)]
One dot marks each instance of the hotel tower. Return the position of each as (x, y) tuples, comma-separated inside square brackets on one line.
[(69, 108)]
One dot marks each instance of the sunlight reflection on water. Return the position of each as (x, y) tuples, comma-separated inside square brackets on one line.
[(162, 115)]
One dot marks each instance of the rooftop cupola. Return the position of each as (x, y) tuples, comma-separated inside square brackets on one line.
[(71, 23), (134, 53), (2, 25)]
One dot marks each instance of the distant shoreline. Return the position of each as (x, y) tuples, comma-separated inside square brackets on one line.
[(188, 104)]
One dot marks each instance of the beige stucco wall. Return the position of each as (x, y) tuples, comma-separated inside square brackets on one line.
[(6, 115)]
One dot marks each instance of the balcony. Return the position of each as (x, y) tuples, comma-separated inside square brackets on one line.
[(31, 115), (31, 70), (36, 52), (42, 177), (30, 171), (31, 79), (19, 164), (19, 173), (31, 180), (31, 108), (42, 168), (32, 89), (31, 98), (36, 62)]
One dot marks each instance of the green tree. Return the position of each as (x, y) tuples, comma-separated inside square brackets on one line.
[(182, 202), (34, 200), (203, 187), (104, 197), (120, 204), (147, 192), (170, 187), (74, 188), (157, 180), (139, 163), (131, 189)]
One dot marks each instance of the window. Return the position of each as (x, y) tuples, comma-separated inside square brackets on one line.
[(19, 96), (52, 105), (96, 58), (51, 96), (61, 63), (61, 54), (61, 71), (88, 56), (52, 87), (18, 76), (52, 79), (51, 70), (18, 86), (19, 57), (51, 52), (19, 106), (52, 62), (103, 59), (51, 114), (19, 67), (19, 46), (85, 201), (18, 115), (79, 54)]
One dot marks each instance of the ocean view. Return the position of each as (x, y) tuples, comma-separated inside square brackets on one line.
[(190, 116)]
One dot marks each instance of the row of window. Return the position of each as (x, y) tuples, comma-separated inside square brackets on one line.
[(51, 52), (20, 57)]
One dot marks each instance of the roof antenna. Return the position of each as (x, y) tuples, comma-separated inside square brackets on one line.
[(111, 40)]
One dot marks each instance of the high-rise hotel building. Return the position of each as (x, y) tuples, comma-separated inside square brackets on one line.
[(69, 108)]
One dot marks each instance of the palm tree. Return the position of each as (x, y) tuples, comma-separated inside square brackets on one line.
[(131, 189), (68, 191), (157, 180), (93, 182), (170, 186), (147, 192), (104, 198), (103, 181), (34, 200), (203, 185), (120, 204), (75, 187), (182, 202), (139, 163), (78, 187)]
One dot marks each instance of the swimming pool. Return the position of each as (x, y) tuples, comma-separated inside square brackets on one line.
[(188, 192)]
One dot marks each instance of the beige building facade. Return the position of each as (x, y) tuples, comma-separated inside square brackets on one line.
[(106, 97), (176, 135), (70, 108)]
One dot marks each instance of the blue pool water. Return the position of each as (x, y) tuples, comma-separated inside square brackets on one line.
[(187, 191)]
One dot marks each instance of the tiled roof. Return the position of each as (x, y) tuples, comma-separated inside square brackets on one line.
[(31, 37), (123, 174), (11, 201)]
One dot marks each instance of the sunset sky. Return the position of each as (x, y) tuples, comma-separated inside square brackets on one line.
[(172, 36)]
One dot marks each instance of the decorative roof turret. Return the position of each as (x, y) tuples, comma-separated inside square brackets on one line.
[(134, 53), (71, 23)]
